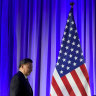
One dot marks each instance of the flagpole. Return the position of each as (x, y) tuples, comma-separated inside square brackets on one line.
[(72, 4)]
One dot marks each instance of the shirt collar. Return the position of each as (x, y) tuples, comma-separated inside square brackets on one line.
[(24, 75)]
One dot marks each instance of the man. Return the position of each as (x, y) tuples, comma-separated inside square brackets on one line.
[(19, 84)]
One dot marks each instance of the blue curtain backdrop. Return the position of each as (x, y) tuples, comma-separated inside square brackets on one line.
[(34, 29)]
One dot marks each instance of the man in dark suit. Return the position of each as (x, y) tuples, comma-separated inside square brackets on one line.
[(19, 85)]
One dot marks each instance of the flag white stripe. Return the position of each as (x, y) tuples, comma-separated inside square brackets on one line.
[(73, 84), (53, 93), (83, 81), (60, 83)]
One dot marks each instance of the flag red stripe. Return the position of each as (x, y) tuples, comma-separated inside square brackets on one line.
[(78, 83), (84, 70), (56, 87), (67, 85)]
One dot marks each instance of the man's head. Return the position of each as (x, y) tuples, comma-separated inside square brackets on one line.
[(25, 66)]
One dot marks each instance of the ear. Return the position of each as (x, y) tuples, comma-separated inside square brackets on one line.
[(22, 66)]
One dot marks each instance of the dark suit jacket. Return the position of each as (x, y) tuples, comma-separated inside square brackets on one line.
[(20, 86)]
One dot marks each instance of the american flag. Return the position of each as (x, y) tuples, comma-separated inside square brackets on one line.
[(70, 77)]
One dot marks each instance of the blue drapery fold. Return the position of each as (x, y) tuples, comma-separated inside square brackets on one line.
[(34, 29)]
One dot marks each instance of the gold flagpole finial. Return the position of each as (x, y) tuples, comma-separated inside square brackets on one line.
[(72, 4)]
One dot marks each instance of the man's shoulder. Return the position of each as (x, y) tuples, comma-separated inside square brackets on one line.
[(17, 76)]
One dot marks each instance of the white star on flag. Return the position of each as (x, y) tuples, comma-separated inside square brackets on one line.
[(62, 66), (74, 64), (68, 41), (69, 62), (77, 51), (69, 35), (61, 45), (67, 20), (71, 49), (69, 14), (74, 37), (72, 22), (81, 59), (71, 29), (75, 58), (66, 26), (63, 39), (61, 71), (60, 51), (64, 60), (64, 33), (68, 68), (70, 55), (65, 53), (78, 45), (73, 43), (67, 47)]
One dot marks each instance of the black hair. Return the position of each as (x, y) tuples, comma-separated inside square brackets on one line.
[(24, 61)]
